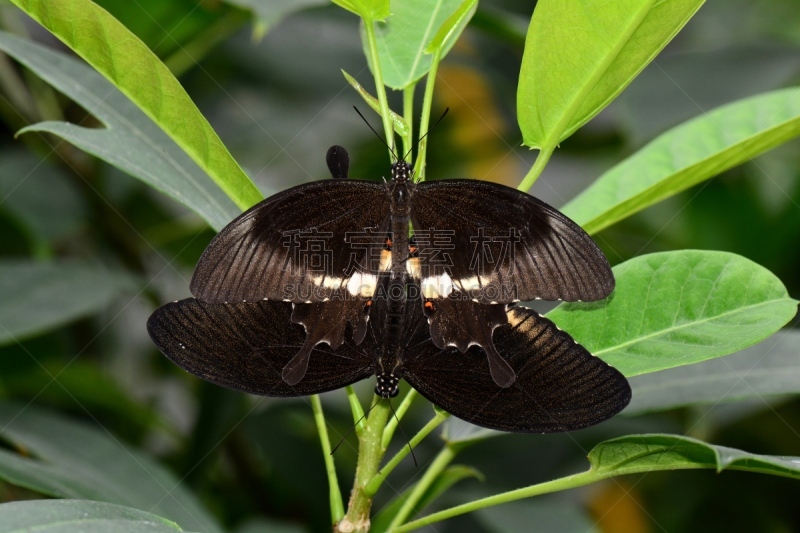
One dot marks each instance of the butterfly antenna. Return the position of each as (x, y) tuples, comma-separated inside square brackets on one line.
[(408, 442), (378, 135), (352, 428), (426, 133)]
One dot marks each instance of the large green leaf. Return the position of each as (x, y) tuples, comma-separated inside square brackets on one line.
[(130, 141), (634, 454), (369, 10), (41, 296), (403, 38), (649, 453), (165, 27), (676, 308), (687, 155), (769, 368), (126, 62), (579, 55), (79, 516), (68, 459)]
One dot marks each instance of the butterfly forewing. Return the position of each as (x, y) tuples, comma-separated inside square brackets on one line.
[(501, 245), (246, 346), (560, 386), (301, 245)]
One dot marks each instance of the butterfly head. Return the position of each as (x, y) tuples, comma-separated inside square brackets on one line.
[(387, 385), (401, 172)]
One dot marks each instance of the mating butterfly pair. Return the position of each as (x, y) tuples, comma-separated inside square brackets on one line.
[(322, 285)]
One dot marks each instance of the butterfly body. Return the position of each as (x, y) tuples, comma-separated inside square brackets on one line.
[(395, 295)]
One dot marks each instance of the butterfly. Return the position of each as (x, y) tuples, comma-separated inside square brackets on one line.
[(559, 385), (469, 247)]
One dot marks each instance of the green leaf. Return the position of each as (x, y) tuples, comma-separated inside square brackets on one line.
[(580, 55), (83, 382), (164, 27), (125, 61), (41, 296), (631, 455), (270, 12), (650, 453), (769, 368), (458, 432), (47, 217), (677, 308), (449, 477), (403, 39), (688, 154), (549, 513), (130, 141), (451, 28), (79, 516), (68, 459), (369, 10)]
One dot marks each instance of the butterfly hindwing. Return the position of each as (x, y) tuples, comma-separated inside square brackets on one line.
[(326, 322), (560, 386), (501, 245), (246, 346), (300, 245), (464, 323)]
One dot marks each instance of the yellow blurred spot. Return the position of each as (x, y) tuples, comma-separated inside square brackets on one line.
[(479, 128), (615, 509)]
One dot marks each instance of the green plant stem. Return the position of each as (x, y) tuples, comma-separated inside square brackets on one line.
[(437, 466), (337, 505), (375, 483), (395, 420), (537, 168), (399, 123), (380, 88), (356, 408), (370, 453), (569, 482), (408, 114), (424, 120)]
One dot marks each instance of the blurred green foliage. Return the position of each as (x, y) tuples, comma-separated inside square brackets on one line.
[(278, 103)]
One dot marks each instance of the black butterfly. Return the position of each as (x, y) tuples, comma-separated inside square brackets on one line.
[(245, 346), (476, 247)]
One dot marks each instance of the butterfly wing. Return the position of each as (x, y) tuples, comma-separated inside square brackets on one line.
[(500, 245), (462, 324), (560, 386), (246, 346), (300, 245)]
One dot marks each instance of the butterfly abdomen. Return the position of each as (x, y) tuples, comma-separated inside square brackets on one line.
[(396, 288)]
